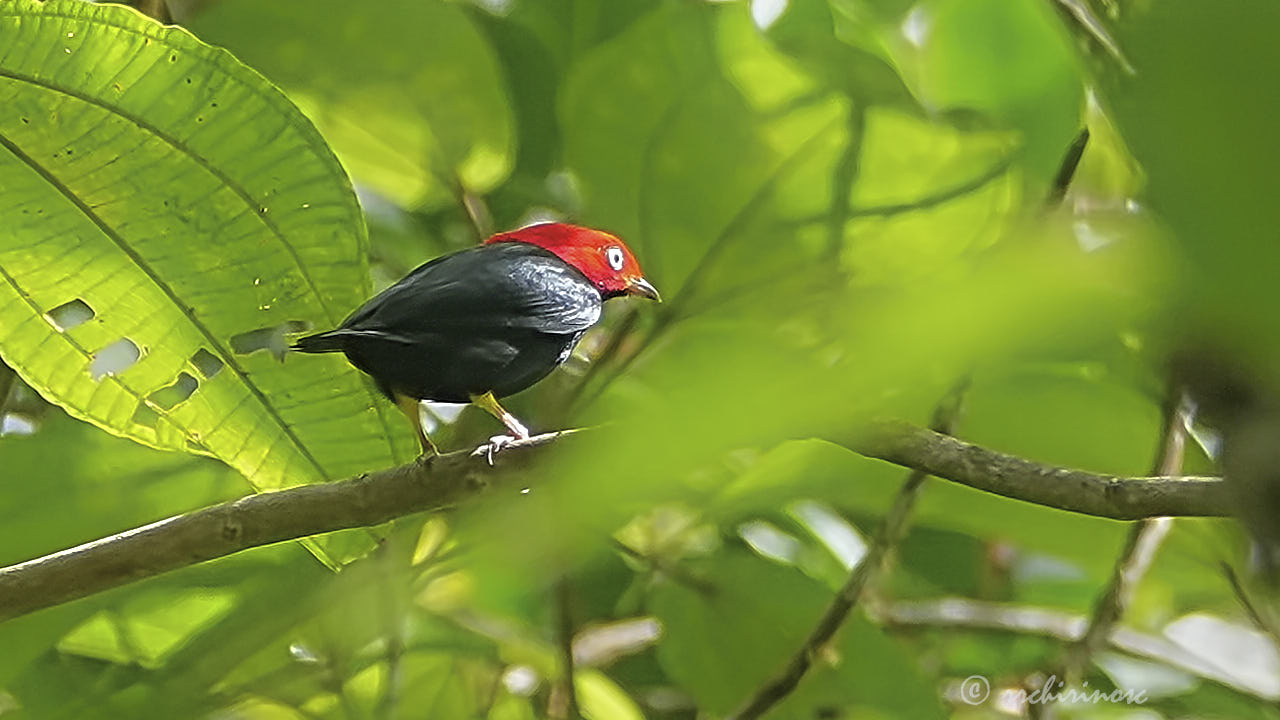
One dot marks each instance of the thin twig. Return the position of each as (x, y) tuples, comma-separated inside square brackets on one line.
[(617, 337), (924, 203), (564, 645), (891, 533), (1146, 536), (1083, 17), (471, 205), (1067, 171), (1140, 547), (964, 613), (1261, 619), (157, 10), (7, 376), (392, 615), (844, 178), (477, 211)]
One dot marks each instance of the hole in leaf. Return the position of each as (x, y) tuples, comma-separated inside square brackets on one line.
[(180, 390), (207, 363), (17, 424), (71, 314), (114, 359), (271, 339), (145, 416)]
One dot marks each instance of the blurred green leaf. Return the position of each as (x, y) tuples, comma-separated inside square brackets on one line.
[(1008, 60), (1210, 159), (723, 644), (843, 46), (668, 151), (408, 93), (56, 499), (508, 707)]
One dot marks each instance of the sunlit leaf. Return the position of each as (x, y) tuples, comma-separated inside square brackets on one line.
[(602, 699), (198, 217)]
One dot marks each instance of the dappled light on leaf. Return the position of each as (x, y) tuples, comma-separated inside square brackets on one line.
[(111, 208)]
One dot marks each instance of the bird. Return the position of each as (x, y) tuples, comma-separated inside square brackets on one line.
[(485, 322)]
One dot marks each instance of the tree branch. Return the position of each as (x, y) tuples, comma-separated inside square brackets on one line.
[(1108, 496), (252, 521), (447, 480)]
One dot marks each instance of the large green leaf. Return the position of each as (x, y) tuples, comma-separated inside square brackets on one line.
[(167, 215)]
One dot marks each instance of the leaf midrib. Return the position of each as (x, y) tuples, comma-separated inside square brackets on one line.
[(209, 54), (124, 247), (200, 160)]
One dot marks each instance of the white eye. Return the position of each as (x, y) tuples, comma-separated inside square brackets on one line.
[(615, 257)]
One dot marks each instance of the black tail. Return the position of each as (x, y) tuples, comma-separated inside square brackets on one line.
[(324, 342)]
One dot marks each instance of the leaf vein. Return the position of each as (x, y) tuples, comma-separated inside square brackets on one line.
[(164, 288)]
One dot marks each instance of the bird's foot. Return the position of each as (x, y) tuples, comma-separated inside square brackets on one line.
[(495, 445), (489, 404)]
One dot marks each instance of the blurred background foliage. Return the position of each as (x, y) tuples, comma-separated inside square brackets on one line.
[(848, 205)]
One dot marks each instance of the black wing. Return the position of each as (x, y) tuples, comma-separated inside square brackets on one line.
[(507, 285)]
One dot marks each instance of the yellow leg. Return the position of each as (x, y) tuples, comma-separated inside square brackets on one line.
[(409, 406), (489, 404)]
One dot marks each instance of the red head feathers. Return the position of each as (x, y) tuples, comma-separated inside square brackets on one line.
[(603, 258)]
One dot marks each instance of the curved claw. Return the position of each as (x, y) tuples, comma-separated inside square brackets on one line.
[(493, 447)]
